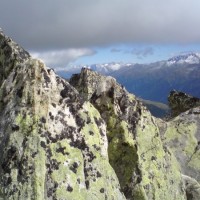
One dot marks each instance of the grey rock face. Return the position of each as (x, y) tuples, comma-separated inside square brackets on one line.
[(192, 188), (180, 102), (182, 135), (146, 170), (51, 145)]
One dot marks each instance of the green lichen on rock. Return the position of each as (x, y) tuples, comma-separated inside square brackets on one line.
[(52, 146), (123, 154), (182, 136), (23, 174), (145, 168), (160, 171), (93, 142)]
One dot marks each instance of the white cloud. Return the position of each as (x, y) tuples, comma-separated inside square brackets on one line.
[(61, 58)]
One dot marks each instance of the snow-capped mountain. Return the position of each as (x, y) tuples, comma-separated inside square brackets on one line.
[(190, 58), (155, 80), (114, 67), (105, 68)]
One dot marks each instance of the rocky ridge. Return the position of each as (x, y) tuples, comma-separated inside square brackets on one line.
[(145, 168), (85, 139), (53, 145)]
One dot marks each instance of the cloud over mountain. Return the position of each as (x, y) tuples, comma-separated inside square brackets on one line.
[(60, 58), (78, 23)]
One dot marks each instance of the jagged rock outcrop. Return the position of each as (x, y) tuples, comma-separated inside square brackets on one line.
[(180, 102), (53, 145), (88, 139), (145, 168)]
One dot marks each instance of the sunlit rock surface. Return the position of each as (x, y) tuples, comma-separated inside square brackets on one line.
[(53, 145), (145, 168), (182, 135)]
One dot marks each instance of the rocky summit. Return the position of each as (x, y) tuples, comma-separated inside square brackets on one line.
[(88, 139)]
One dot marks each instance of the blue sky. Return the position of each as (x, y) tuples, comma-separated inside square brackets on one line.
[(73, 32), (123, 53), (138, 53)]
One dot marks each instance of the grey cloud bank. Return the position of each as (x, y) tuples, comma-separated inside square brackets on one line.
[(46, 25)]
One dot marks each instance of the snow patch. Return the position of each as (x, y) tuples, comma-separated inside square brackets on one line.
[(191, 58)]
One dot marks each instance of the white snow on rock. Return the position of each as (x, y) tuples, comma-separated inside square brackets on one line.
[(190, 58)]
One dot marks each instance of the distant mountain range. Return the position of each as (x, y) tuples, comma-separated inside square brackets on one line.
[(105, 69), (153, 81)]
